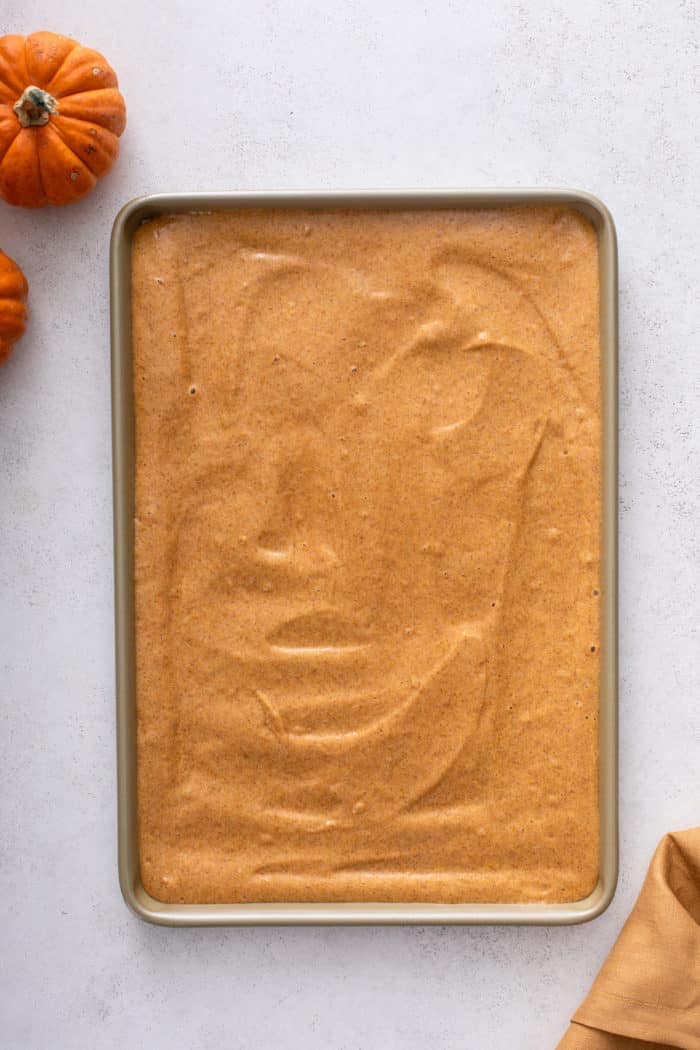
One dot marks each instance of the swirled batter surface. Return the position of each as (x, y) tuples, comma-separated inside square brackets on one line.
[(367, 555)]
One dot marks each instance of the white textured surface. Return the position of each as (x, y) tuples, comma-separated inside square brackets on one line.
[(327, 94)]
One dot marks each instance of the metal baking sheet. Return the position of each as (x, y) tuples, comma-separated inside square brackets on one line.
[(127, 221)]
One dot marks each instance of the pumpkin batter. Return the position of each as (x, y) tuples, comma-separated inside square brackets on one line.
[(367, 555)]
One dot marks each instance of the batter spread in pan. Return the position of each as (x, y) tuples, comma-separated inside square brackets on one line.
[(367, 554)]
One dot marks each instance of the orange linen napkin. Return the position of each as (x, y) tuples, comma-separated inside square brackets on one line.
[(647, 995)]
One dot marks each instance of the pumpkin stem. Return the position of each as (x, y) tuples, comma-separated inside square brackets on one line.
[(34, 107)]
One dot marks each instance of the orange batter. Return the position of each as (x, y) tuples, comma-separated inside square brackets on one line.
[(367, 555)]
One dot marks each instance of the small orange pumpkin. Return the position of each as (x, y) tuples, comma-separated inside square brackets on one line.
[(60, 119), (13, 311)]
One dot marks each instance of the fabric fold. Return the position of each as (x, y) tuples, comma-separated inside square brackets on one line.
[(647, 994)]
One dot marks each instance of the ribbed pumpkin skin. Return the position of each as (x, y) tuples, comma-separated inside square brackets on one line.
[(60, 160), (13, 310)]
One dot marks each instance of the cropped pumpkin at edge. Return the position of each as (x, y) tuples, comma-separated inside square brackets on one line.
[(13, 310), (61, 115)]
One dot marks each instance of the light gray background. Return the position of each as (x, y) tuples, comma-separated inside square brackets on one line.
[(601, 96)]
